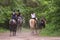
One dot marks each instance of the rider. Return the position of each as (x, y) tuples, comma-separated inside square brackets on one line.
[(43, 20), (14, 16), (19, 14), (33, 16)]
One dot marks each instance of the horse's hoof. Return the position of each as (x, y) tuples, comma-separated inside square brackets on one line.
[(14, 34), (10, 35)]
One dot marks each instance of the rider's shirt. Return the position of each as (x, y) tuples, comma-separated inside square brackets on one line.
[(14, 16), (33, 15)]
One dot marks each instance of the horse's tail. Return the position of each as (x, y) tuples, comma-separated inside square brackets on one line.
[(32, 23), (12, 21), (20, 21)]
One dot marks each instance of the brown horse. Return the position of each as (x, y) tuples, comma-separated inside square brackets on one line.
[(33, 26), (13, 27), (19, 23)]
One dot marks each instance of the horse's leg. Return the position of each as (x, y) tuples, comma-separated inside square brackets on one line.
[(10, 27), (14, 34), (35, 30), (17, 27), (14, 31), (32, 30), (10, 33), (20, 27)]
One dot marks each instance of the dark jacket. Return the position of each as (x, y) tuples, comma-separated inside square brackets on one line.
[(14, 17)]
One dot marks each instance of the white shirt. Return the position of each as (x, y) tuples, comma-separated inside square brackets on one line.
[(33, 15)]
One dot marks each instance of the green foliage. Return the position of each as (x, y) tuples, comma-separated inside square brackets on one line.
[(5, 2), (50, 9), (50, 30), (4, 13)]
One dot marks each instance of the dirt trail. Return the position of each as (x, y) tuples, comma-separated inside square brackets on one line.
[(25, 36)]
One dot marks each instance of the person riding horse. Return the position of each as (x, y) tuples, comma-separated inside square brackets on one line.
[(14, 16), (19, 15), (13, 23), (33, 16), (19, 20), (42, 23), (33, 22)]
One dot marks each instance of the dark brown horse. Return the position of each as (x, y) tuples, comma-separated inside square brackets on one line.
[(13, 27), (33, 26), (42, 23), (19, 23)]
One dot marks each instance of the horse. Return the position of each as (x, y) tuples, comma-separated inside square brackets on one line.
[(12, 27), (42, 23), (33, 26), (19, 23)]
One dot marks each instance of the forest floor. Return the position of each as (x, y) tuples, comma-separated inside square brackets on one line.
[(25, 35)]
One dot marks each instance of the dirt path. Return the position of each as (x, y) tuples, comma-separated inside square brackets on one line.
[(25, 36)]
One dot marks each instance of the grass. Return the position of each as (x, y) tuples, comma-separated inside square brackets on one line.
[(50, 30), (50, 33), (54, 34), (3, 30)]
